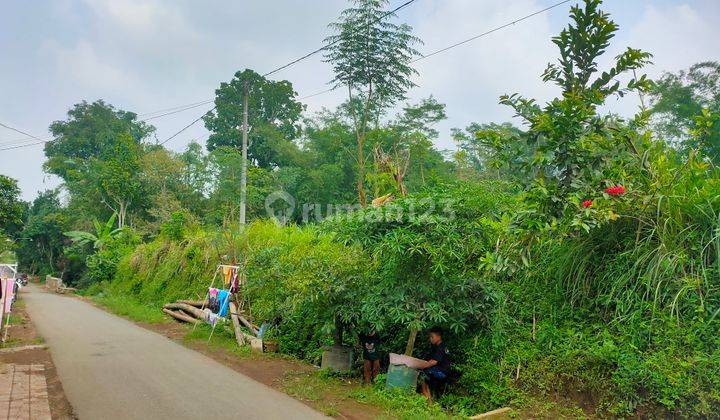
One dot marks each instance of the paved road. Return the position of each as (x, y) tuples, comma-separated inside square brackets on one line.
[(111, 369)]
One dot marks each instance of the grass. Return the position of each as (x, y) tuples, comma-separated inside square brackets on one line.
[(221, 339), (325, 392), (327, 389), (130, 308)]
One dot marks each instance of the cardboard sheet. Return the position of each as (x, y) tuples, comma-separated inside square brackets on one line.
[(409, 361)]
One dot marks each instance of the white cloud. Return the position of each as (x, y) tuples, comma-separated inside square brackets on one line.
[(472, 77), (678, 36), (82, 68)]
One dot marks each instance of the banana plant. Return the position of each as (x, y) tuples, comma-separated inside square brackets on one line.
[(103, 234)]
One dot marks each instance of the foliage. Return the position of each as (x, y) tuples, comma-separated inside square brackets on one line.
[(118, 178), (273, 114), (572, 142), (371, 57), (678, 98), (96, 154), (104, 233), (11, 208), (498, 150), (424, 248), (109, 244), (41, 246)]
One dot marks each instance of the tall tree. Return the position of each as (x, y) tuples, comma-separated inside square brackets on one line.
[(679, 98), (40, 249), (84, 149), (91, 131), (273, 115), (119, 178), (11, 208), (371, 58), (195, 178)]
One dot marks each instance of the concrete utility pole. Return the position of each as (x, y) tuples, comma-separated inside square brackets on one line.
[(243, 173)]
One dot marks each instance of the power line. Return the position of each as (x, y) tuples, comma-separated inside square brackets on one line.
[(175, 108), (20, 131), (24, 145), (188, 126), (423, 57), (457, 44), (18, 141), (317, 93), (324, 47)]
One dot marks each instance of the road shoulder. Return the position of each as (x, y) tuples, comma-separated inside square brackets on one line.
[(25, 347)]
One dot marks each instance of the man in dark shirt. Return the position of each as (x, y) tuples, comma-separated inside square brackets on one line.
[(371, 357), (437, 367)]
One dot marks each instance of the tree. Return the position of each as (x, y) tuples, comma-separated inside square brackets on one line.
[(371, 58), (119, 178), (273, 115), (421, 118), (678, 98), (571, 140), (225, 165), (419, 274), (90, 132), (40, 247), (498, 150), (11, 208), (83, 154), (413, 132)]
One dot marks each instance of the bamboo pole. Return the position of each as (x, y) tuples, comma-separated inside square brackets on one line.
[(236, 325)]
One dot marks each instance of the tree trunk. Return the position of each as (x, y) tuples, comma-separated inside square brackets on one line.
[(239, 336), (361, 172), (248, 324), (121, 215), (338, 336), (180, 315), (411, 341), (196, 312), (195, 303)]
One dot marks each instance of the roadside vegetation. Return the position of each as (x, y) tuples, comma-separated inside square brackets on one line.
[(573, 258)]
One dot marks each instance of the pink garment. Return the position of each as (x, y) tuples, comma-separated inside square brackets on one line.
[(7, 285)]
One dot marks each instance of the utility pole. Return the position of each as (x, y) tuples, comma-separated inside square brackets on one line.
[(243, 172)]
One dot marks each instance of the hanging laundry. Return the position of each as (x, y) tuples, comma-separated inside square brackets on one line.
[(223, 302), (213, 302), (210, 317), (8, 286), (227, 272), (235, 282)]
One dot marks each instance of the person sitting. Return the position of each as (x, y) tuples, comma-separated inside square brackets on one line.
[(371, 357), (437, 367)]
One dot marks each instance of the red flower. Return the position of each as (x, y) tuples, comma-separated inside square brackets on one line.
[(587, 203), (616, 190)]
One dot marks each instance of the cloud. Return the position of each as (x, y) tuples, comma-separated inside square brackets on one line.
[(678, 36), (80, 67), (472, 77), (145, 55)]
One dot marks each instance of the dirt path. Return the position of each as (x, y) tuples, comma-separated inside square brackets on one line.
[(111, 368)]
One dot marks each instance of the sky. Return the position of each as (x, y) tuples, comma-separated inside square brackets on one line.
[(148, 55)]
